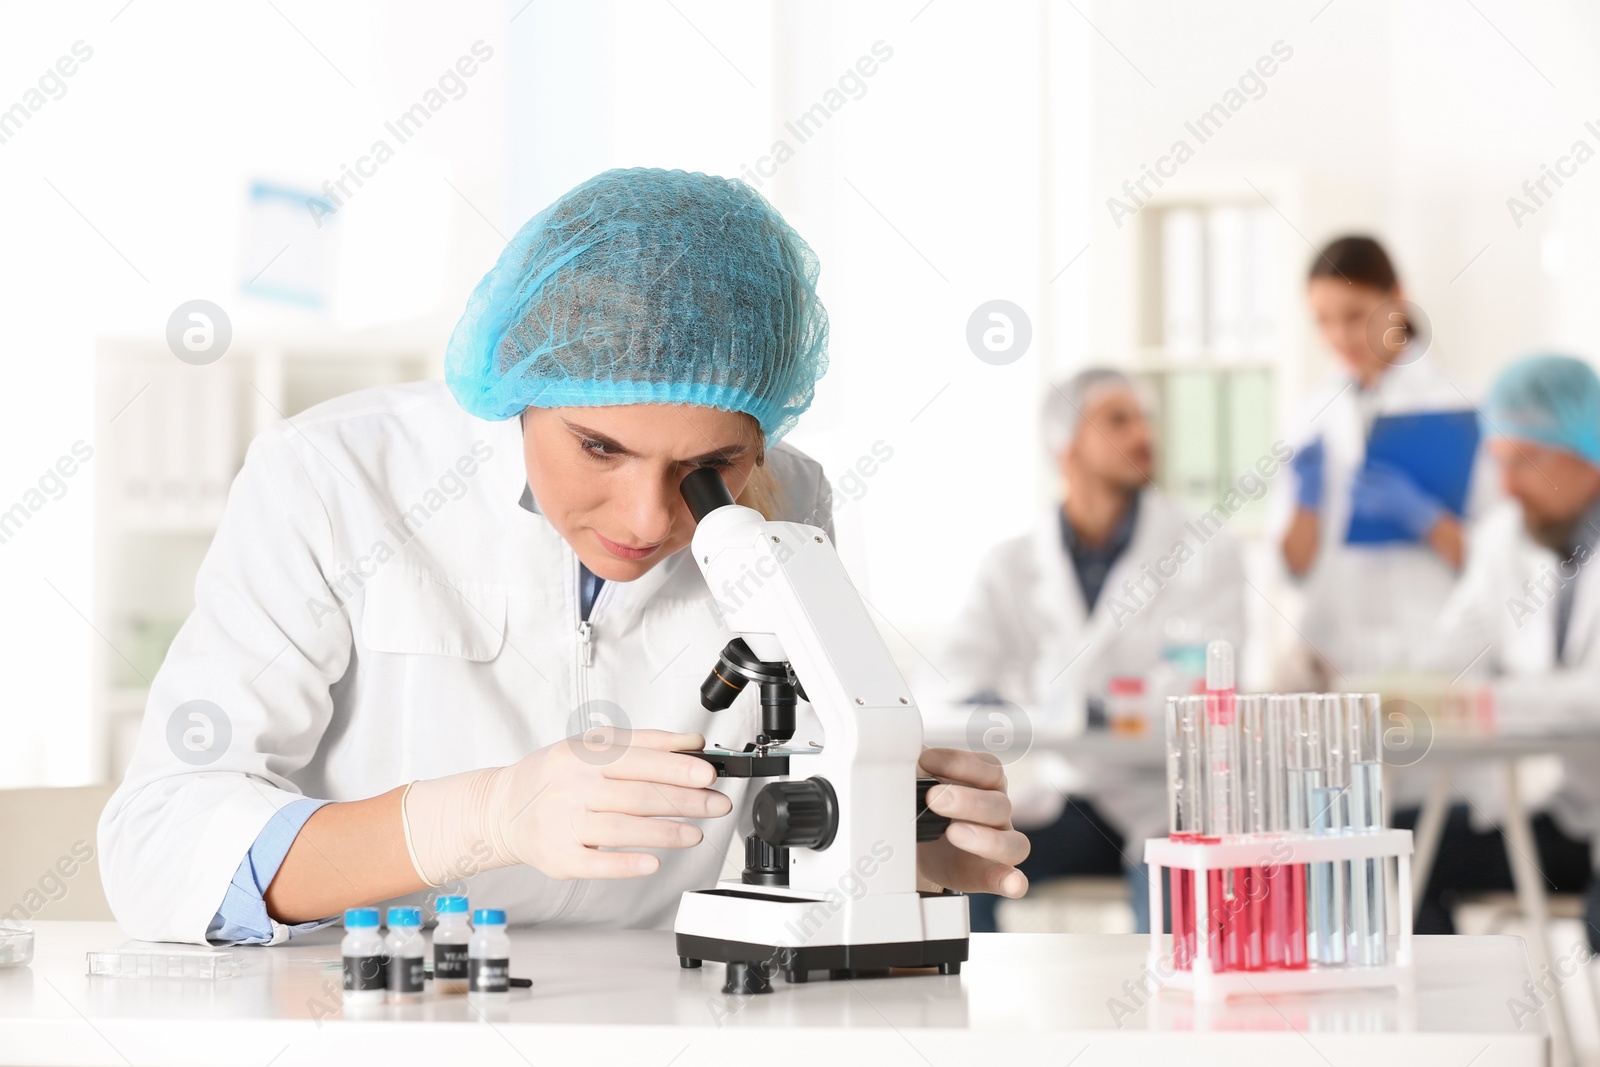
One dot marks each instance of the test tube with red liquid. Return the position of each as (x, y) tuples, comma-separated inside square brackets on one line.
[(1185, 729), (1287, 814), (1225, 899), (1260, 781)]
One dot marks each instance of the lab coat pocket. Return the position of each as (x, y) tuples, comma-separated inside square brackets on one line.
[(409, 613)]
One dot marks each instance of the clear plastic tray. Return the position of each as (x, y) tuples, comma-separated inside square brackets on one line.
[(157, 963), (16, 945)]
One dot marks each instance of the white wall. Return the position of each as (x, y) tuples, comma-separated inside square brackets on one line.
[(1422, 109), (950, 176), (153, 144)]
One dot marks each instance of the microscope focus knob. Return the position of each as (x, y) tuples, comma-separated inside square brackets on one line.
[(930, 825), (797, 814)]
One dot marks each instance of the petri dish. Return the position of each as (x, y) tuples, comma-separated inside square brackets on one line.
[(16, 945), (159, 963)]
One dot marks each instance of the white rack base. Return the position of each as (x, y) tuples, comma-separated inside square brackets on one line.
[(1215, 985), (1285, 850)]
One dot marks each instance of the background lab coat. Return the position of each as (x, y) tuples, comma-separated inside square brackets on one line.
[(1364, 605), (1026, 634), (461, 651), (1517, 653)]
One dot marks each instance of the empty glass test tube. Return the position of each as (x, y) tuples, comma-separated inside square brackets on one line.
[(1305, 777), (1329, 815), (1257, 764), (1336, 775), (1368, 934)]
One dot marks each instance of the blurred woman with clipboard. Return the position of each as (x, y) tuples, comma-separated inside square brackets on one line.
[(1386, 467)]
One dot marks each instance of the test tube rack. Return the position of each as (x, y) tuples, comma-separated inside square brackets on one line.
[(1286, 849)]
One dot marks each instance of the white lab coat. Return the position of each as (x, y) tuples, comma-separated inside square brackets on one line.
[(1364, 604), (457, 646), (1507, 635), (1026, 635)]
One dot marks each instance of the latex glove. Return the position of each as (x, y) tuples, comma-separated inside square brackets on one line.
[(555, 809), (1308, 463), (980, 849), (1382, 492)]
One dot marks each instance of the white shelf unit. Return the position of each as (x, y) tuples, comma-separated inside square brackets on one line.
[(1194, 466), (175, 435), (1285, 850), (1212, 316)]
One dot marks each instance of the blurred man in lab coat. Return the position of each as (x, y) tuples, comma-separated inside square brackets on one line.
[(1113, 582), (1525, 618)]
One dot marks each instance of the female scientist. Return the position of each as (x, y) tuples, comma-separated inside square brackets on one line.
[(1365, 602), (416, 598)]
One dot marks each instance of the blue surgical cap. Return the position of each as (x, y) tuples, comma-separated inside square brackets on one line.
[(647, 287), (1551, 400)]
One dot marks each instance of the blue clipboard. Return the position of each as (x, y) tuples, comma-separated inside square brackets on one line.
[(1435, 449)]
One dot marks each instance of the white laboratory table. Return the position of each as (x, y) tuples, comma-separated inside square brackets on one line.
[(603, 997)]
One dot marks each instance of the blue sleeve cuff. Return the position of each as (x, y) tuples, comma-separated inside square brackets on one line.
[(242, 919)]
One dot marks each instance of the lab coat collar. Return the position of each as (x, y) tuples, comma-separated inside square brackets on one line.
[(1121, 534), (1153, 538), (1058, 595), (507, 469), (1580, 625), (1079, 635), (1587, 532)]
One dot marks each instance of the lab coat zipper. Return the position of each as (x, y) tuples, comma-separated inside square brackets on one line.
[(571, 899)]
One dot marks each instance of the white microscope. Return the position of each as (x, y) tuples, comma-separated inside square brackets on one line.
[(830, 877)]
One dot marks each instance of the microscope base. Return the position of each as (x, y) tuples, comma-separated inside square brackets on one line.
[(751, 964)]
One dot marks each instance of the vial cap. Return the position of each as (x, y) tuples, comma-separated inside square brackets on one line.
[(361, 917), (405, 916), (489, 917), (450, 904)]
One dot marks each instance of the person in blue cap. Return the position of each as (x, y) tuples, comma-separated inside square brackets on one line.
[(447, 631), (1524, 622)]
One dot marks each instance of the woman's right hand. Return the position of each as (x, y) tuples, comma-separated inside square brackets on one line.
[(558, 808)]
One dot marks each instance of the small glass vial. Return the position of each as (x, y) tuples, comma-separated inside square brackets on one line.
[(407, 951), (365, 973), (489, 955), (450, 939)]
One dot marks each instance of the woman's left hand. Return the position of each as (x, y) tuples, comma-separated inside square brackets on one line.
[(980, 850)]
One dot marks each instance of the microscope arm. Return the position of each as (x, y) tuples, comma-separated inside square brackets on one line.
[(782, 588)]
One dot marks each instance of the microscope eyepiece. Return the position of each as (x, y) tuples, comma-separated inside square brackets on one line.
[(704, 491)]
